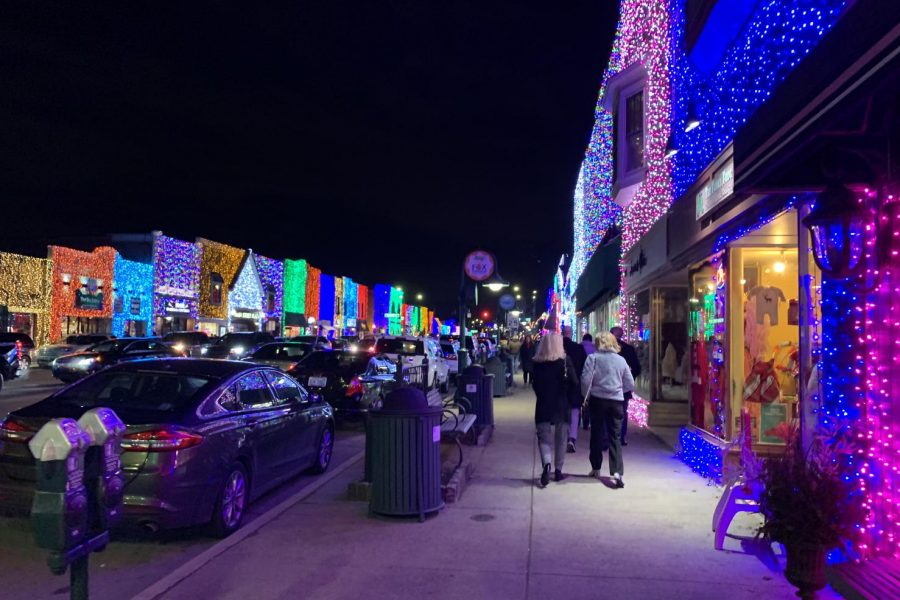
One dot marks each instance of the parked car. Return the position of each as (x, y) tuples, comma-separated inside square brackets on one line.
[(189, 343), (47, 353), (203, 438), (12, 362), (319, 341), (415, 350), (283, 355), (342, 377), (448, 350), (237, 345), (73, 367), (11, 337)]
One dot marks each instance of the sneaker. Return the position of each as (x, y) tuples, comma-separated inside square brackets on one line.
[(570, 447), (618, 480), (545, 476), (595, 474), (558, 476)]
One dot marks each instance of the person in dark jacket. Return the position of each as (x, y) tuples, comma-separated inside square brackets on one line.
[(553, 373), (627, 352), (578, 355), (526, 357)]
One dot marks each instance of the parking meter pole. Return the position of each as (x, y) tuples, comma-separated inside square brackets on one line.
[(78, 579)]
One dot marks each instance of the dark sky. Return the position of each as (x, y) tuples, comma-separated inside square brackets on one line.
[(379, 140)]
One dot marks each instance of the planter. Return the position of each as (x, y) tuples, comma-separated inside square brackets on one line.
[(806, 568)]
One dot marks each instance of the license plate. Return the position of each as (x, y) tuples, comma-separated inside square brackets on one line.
[(317, 381)]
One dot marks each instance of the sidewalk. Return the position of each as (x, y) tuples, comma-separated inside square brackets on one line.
[(505, 538)]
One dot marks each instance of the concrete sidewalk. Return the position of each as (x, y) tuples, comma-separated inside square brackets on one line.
[(505, 538)]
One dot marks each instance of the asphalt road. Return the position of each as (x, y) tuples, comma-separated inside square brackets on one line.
[(132, 561), (36, 385)]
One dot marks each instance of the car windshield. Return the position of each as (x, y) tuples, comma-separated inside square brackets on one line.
[(335, 360), (310, 339), (399, 346), (188, 338), (110, 345), (237, 339), (136, 390), (282, 352)]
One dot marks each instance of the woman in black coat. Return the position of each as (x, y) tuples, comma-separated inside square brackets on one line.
[(526, 358), (553, 375)]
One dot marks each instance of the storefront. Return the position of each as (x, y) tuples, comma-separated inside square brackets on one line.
[(246, 298), (271, 278), (176, 284), (294, 297), (597, 294), (220, 265), (80, 291), (25, 296), (132, 298), (752, 286)]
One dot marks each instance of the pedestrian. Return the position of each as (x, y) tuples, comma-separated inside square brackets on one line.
[(605, 381), (526, 357), (553, 373), (576, 353), (587, 340), (634, 364)]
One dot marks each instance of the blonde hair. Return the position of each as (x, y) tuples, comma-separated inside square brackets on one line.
[(606, 342), (550, 348)]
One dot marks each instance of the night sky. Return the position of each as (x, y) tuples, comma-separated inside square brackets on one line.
[(378, 140)]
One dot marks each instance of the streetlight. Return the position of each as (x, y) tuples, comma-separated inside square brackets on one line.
[(419, 297), (515, 288), (496, 283), (837, 223)]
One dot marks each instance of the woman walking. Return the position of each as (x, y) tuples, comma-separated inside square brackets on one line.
[(526, 355), (552, 373), (605, 381)]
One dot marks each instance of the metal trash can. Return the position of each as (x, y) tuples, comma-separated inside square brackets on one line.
[(469, 384), (484, 406), (496, 368), (404, 438)]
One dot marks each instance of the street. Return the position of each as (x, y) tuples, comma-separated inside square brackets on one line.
[(35, 385)]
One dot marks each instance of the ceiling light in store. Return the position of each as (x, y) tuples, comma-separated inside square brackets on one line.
[(779, 267)]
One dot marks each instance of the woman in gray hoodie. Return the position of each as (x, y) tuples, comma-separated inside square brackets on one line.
[(604, 381)]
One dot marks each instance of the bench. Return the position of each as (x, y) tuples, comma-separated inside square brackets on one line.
[(456, 424), (870, 579), (434, 398)]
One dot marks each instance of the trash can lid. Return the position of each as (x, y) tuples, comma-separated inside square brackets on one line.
[(473, 371), (405, 399)]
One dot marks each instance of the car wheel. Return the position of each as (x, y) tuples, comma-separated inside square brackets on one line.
[(232, 502), (324, 451)]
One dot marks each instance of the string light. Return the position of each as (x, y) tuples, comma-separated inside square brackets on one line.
[(362, 295), (224, 260), (176, 274), (639, 411), (395, 323), (700, 454), (313, 278), (132, 295), (25, 288), (294, 292), (382, 302), (74, 270), (247, 291), (338, 303), (326, 297), (271, 276)]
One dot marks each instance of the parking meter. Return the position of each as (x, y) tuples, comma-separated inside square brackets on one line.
[(102, 466), (59, 511)]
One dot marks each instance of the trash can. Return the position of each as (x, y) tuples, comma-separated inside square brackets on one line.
[(484, 406), (404, 438), (469, 384), (497, 368)]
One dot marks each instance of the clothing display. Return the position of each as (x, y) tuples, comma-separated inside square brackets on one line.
[(767, 299), (670, 363), (793, 313), (787, 367), (761, 384)]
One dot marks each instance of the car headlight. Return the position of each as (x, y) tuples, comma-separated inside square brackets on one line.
[(84, 363), (204, 350), (179, 347), (237, 350)]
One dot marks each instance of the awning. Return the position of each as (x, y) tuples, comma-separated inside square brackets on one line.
[(600, 278)]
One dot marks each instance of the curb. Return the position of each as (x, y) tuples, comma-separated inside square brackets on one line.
[(168, 582)]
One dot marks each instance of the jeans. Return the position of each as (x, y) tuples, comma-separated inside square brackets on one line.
[(625, 421), (558, 439), (573, 423), (525, 375), (606, 433)]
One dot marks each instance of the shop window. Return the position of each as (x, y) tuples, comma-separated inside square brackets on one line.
[(270, 299), (633, 140), (216, 289)]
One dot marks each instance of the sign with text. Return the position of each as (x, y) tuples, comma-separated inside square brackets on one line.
[(479, 265), (176, 306), (89, 295), (717, 189)]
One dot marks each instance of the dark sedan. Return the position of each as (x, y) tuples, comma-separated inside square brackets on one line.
[(237, 345), (342, 377), (73, 367), (203, 438)]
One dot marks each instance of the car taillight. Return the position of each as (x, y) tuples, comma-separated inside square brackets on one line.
[(15, 431), (355, 388), (19, 350), (160, 440)]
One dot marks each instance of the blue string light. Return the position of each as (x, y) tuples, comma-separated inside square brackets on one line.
[(132, 295)]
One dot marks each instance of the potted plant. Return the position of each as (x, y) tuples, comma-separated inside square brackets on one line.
[(808, 507)]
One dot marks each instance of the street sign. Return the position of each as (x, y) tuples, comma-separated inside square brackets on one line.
[(479, 265), (507, 302)]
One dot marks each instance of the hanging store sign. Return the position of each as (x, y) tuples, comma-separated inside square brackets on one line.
[(168, 290), (479, 265), (719, 187), (176, 306), (135, 305), (89, 295)]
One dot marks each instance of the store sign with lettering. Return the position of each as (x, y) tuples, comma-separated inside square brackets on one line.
[(719, 187), (177, 306), (89, 295), (135, 305)]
